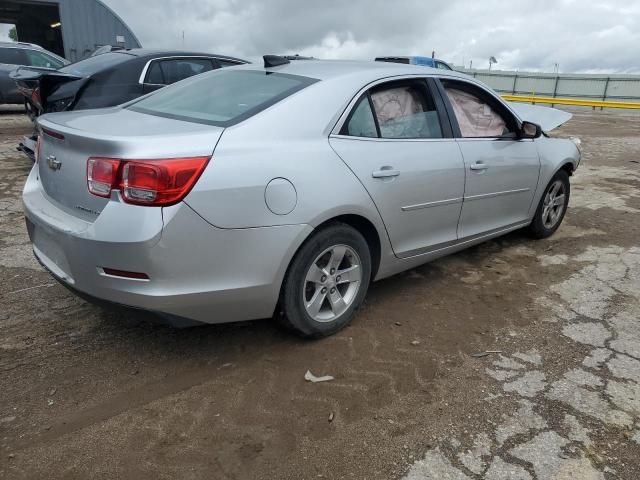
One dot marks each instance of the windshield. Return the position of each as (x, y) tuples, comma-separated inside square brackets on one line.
[(223, 97), (91, 65)]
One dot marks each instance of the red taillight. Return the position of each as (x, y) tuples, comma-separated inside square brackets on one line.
[(51, 133), (102, 175), (35, 97), (145, 182)]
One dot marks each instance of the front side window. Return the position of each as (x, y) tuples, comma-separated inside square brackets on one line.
[(442, 66), (406, 111), (39, 59), (478, 115), (222, 97)]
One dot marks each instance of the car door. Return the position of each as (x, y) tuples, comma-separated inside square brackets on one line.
[(10, 59), (397, 140), (501, 169), (165, 71)]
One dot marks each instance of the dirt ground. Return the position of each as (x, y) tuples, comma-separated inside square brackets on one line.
[(92, 393)]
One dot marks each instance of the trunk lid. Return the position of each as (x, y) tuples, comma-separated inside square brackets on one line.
[(70, 138), (39, 84)]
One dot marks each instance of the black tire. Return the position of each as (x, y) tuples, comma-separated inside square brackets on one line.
[(292, 312), (537, 229)]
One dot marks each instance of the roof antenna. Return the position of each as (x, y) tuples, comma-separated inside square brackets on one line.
[(274, 61)]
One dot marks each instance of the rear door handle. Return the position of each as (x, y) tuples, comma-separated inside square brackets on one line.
[(385, 172), (479, 166)]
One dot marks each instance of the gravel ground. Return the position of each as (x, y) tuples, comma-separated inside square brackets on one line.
[(92, 393)]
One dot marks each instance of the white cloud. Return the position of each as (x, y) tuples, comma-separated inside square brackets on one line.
[(526, 35)]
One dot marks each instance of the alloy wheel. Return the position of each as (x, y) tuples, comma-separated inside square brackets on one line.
[(553, 205), (332, 283)]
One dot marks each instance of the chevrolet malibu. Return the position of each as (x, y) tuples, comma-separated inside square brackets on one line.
[(285, 189)]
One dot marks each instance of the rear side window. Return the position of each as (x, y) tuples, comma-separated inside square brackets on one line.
[(154, 74), (178, 69), (223, 97), (12, 56), (362, 122), (401, 110)]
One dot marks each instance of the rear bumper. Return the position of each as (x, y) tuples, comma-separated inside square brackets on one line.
[(196, 271)]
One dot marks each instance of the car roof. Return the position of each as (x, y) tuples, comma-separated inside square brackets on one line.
[(367, 70), (148, 52), (21, 45)]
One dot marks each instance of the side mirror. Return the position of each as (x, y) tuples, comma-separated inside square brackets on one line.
[(530, 130)]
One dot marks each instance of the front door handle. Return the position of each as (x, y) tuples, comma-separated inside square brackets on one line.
[(479, 166), (385, 172)]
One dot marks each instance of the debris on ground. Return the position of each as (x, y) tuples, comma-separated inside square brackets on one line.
[(310, 377)]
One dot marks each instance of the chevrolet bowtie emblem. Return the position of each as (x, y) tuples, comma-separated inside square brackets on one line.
[(53, 163)]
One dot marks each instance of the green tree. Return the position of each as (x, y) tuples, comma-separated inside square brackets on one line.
[(13, 34)]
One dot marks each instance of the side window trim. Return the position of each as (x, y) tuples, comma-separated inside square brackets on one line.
[(453, 121), (485, 94), (373, 112), (443, 114)]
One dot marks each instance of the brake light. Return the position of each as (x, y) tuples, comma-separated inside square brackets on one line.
[(145, 182), (35, 97), (102, 176)]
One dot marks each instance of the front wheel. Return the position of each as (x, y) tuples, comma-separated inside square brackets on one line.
[(552, 207), (326, 282)]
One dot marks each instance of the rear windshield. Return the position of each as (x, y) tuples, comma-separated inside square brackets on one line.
[(91, 65), (222, 97)]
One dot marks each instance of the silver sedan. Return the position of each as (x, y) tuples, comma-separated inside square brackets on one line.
[(285, 189)]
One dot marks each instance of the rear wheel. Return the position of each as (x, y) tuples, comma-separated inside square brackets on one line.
[(552, 206), (326, 282)]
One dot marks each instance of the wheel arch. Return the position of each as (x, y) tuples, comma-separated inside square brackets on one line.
[(367, 229), (568, 166)]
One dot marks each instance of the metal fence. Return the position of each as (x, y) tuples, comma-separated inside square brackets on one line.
[(616, 88)]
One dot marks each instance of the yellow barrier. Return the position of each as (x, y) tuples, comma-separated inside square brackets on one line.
[(571, 101)]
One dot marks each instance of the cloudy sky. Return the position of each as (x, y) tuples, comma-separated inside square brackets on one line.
[(581, 36)]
